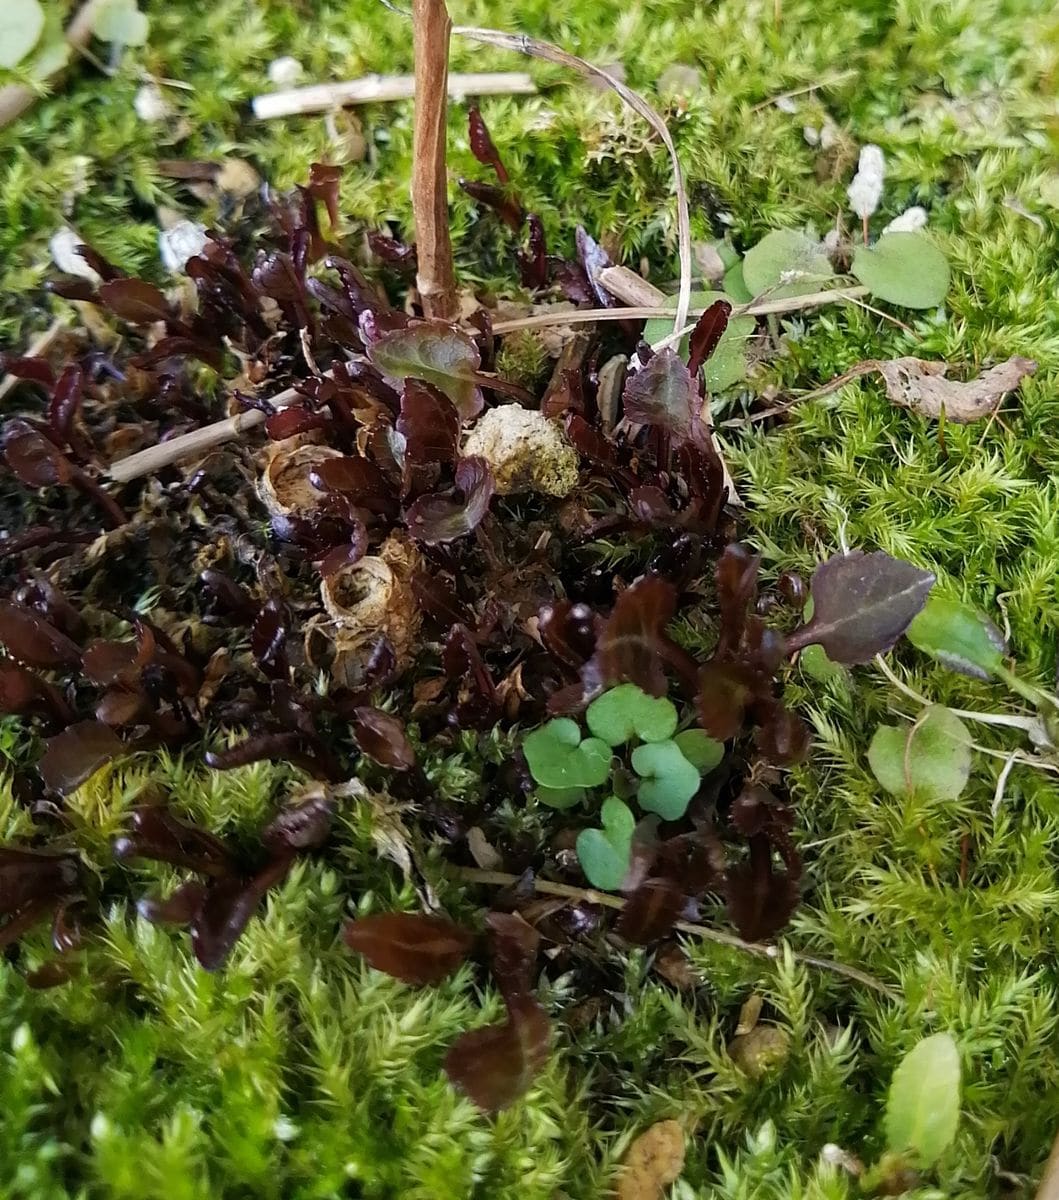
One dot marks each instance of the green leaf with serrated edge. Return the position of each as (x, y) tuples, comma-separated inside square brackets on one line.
[(558, 758), (21, 24), (702, 751), (726, 366), (627, 712), (903, 268), (435, 353), (668, 780), (923, 1105), (786, 262), (604, 853), (930, 759), (560, 798), (121, 23), (959, 637)]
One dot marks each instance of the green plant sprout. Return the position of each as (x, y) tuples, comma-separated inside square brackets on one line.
[(668, 767)]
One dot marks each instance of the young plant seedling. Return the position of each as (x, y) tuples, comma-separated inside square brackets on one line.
[(627, 712), (930, 759), (604, 853), (558, 758), (668, 780)]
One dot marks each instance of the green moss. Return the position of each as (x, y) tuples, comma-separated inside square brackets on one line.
[(296, 1072)]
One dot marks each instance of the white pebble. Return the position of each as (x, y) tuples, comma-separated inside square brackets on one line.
[(150, 104), (180, 242), (911, 220), (865, 191), (63, 247), (285, 71)]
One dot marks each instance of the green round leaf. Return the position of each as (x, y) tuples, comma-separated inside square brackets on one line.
[(627, 711), (735, 285), (560, 798), (558, 758), (121, 23), (604, 853), (923, 1105), (903, 268), (701, 750), (21, 24), (958, 636), (930, 759), (726, 366), (786, 262), (668, 780)]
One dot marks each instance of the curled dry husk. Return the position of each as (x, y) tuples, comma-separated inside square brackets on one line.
[(284, 482), (373, 597)]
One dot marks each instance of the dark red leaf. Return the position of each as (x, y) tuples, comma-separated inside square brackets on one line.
[(513, 948), (478, 705), (38, 370), (417, 948), (228, 905), (65, 406), (42, 535), (499, 199), (445, 517), (306, 826), (44, 597), (233, 598), (533, 261), (382, 738), (20, 690), (663, 394), (35, 461), (323, 185), (358, 479), (294, 420), (782, 737), (268, 638), (760, 899), (77, 754), (497, 1064), (437, 353), (120, 708), (102, 266), (862, 603), (263, 747), (725, 690), (651, 911), (134, 300), (736, 577), (66, 934), (32, 876), (708, 331), (51, 974), (156, 834), (429, 424), (391, 251), (437, 598), (30, 639), (347, 555), (482, 144), (178, 908), (634, 646), (569, 631)]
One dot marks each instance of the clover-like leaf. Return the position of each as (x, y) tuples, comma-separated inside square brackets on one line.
[(121, 23), (959, 637), (930, 759), (558, 758), (702, 751), (604, 853), (21, 24), (627, 711), (668, 780), (560, 798), (903, 268), (923, 1104), (726, 366), (786, 262), (435, 353)]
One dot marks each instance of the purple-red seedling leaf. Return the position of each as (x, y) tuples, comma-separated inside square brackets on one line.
[(323, 185), (482, 146), (533, 261), (651, 911), (32, 641), (593, 259), (22, 692), (499, 199), (156, 834), (76, 754), (569, 631), (346, 555), (736, 576), (663, 394), (391, 251), (357, 478), (417, 948), (435, 353), (496, 1065), (437, 598), (306, 826), (760, 898), (444, 518), (228, 905), (38, 370), (231, 597), (383, 739), (264, 747), (295, 420), (862, 603), (178, 908), (429, 423), (479, 705), (64, 408), (34, 459), (634, 646), (513, 948), (134, 300), (782, 737), (708, 331), (268, 638), (725, 691), (33, 877)]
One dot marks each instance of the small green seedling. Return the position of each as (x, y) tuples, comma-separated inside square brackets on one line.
[(558, 758), (930, 759), (604, 853), (669, 780), (701, 750), (560, 797), (923, 1105), (959, 637), (627, 712), (903, 268)]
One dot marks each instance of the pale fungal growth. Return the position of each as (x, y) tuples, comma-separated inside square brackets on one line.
[(150, 104), (910, 221), (284, 484), (64, 254), (865, 191), (181, 241), (374, 598), (285, 71), (526, 451)]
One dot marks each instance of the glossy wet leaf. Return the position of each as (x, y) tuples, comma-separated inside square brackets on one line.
[(497, 1064), (75, 755), (559, 758), (923, 1103), (21, 24), (702, 751), (959, 637), (28, 876), (633, 645), (33, 641), (862, 603), (134, 300), (761, 898), (437, 354), (709, 330), (604, 853), (482, 146), (786, 262), (668, 780), (429, 423), (626, 712), (929, 759), (155, 833), (417, 948), (903, 268), (440, 517), (663, 394), (382, 737), (305, 826)]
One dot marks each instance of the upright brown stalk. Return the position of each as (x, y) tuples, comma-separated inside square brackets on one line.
[(435, 280)]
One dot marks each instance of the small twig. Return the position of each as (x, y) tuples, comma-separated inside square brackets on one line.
[(37, 347), (1002, 782), (589, 896), (826, 82), (435, 276), (373, 89), (628, 287), (16, 97)]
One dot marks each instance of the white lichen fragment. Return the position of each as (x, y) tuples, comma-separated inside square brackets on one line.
[(865, 191), (150, 104), (526, 451), (284, 71), (181, 241), (64, 254), (910, 221)]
